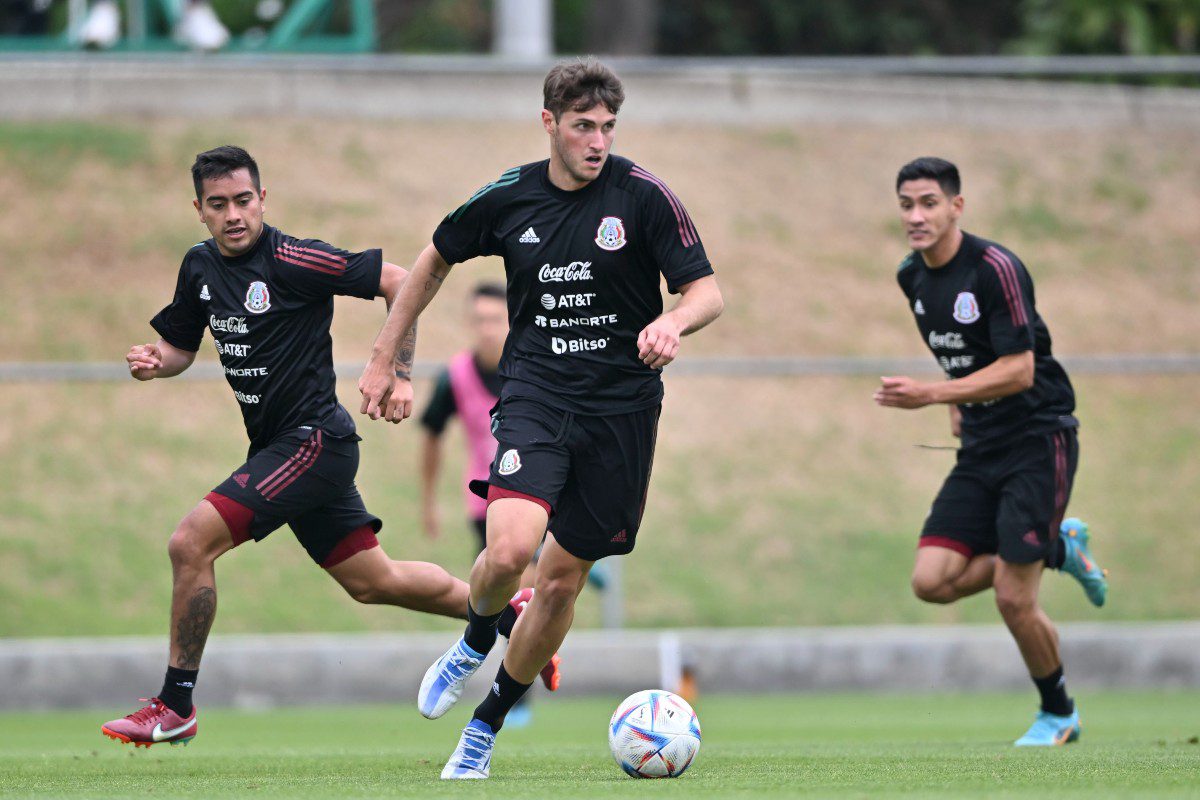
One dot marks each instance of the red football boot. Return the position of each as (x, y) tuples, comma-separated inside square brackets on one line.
[(153, 724)]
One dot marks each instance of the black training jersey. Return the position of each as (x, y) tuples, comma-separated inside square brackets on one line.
[(583, 278), (269, 311), (975, 309)]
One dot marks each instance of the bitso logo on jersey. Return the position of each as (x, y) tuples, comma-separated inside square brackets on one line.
[(966, 308), (258, 298), (510, 462), (611, 234)]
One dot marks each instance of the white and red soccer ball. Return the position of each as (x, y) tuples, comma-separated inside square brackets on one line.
[(654, 734)]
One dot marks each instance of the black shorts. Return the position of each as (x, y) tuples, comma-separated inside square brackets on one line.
[(1008, 500), (591, 473), (304, 479)]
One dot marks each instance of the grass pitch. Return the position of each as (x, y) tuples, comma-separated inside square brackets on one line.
[(1134, 744)]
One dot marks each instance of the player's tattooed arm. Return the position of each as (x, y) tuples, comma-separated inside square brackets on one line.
[(406, 354)]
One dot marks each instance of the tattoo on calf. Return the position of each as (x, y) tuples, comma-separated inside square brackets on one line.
[(192, 631)]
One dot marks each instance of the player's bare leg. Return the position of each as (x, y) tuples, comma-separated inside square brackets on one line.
[(1017, 599), (200, 538), (371, 577), (544, 625), (942, 575), (514, 529)]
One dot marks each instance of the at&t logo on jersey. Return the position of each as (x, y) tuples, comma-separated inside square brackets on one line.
[(258, 298), (611, 234), (966, 308)]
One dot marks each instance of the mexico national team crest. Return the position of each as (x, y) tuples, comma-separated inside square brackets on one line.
[(510, 462), (611, 234), (258, 298), (966, 308)]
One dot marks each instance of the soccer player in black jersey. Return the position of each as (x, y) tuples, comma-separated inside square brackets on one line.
[(267, 298), (586, 238), (998, 519)]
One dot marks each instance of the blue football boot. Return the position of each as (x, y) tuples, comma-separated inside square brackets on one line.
[(1079, 562), (472, 759), (1049, 730), (444, 681)]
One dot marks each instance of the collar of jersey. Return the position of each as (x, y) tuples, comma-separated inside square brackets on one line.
[(578, 194), (966, 245), (249, 255)]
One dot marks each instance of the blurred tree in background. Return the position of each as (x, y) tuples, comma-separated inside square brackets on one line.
[(1131, 27)]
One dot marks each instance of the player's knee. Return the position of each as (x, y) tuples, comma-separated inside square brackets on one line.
[(364, 592), (507, 559), (184, 547), (557, 592), (931, 589), (1014, 605)]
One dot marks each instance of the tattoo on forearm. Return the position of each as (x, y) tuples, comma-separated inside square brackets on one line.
[(406, 353), (192, 631)]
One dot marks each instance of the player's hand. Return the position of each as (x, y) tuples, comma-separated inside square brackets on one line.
[(376, 386), (400, 402), (144, 361), (658, 343), (902, 392)]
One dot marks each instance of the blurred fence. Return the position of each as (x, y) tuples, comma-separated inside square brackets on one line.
[(735, 366)]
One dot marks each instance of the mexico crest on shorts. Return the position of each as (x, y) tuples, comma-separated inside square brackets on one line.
[(611, 234), (510, 462), (966, 308), (258, 298)]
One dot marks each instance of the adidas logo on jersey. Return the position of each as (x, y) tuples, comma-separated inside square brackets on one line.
[(529, 237), (204, 295), (919, 308)]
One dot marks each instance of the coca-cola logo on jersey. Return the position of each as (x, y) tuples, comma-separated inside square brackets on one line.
[(575, 271), (228, 324)]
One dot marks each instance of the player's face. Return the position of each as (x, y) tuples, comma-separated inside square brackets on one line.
[(232, 210), (580, 141), (929, 216), (489, 323)]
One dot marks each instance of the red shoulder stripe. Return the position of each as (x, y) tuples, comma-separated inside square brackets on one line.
[(687, 229), (1007, 274), (307, 264), (319, 256)]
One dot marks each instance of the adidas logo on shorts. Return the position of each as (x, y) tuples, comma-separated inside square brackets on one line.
[(529, 237)]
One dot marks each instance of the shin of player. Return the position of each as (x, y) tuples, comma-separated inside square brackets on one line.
[(586, 238), (998, 520)]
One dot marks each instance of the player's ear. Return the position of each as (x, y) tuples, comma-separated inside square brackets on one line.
[(548, 120), (957, 203), (200, 211)]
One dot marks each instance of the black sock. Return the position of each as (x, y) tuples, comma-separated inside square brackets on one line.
[(504, 695), (1053, 689), (1058, 554), (481, 631), (508, 618), (177, 688)]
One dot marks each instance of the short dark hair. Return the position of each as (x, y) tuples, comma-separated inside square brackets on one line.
[(579, 85), (935, 169), (493, 289), (222, 161)]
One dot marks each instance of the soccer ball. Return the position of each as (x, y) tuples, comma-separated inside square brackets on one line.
[(654, 734)]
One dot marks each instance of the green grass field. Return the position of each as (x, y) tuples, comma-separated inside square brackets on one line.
[(1141, 744)]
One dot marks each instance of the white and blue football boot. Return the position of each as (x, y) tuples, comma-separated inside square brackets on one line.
[(472, 759), (1079, 562), (1049, 730), (443, 682)]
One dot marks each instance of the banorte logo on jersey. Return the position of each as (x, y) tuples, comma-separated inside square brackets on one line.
[(258, 298)]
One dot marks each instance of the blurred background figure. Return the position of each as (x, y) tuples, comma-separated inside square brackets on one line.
[(24, 17), (198, 28)]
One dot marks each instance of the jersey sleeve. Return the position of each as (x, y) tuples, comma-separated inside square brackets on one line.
[(181, 324), (904, 275), (469, 230), (673, 240), (317, 269), (441, 406), (1006, 300)]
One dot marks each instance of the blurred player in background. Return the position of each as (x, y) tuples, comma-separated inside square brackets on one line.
[(998, 519), (198, 28), (586, 238), (267, 299)]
